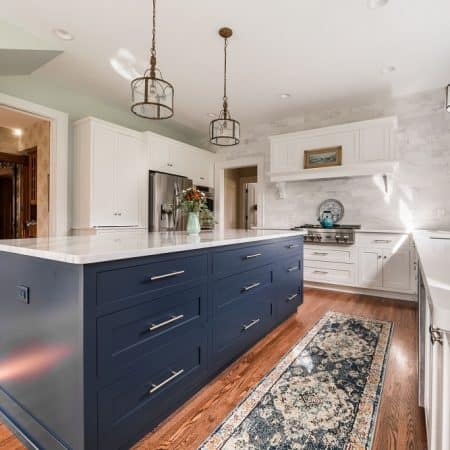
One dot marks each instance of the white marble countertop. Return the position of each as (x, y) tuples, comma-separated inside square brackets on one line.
[(362, 230), (433, 249), (122, 245)]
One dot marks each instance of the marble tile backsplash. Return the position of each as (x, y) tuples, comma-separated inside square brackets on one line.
[(420, 191)]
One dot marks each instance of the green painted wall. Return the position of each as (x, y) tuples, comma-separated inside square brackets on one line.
[(37, 89)]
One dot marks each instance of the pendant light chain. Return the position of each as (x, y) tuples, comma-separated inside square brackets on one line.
[(225, 98), (153, 50)]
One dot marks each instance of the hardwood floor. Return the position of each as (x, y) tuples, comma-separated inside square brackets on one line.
[(400, 421)]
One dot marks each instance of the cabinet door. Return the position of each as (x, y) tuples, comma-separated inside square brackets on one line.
[(370, 267), (104, 144), (126, 180), (181, 159), (396, 270), (286, 157), (374, 143), (159, 154)]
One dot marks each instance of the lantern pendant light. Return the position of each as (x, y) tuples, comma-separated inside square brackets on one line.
[(447, 103), (151, 95), (224, 130)]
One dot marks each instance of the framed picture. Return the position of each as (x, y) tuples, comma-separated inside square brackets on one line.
[(323, 157)]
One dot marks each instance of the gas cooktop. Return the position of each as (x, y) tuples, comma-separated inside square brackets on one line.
[(339, 234), (335, 226)]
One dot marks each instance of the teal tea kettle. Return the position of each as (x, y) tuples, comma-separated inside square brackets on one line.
[(326, 219)]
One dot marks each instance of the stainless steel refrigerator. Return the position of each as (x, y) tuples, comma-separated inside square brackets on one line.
[(163, 211)]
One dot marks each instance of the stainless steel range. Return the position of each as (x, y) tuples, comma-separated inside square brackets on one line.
[(339, 234)]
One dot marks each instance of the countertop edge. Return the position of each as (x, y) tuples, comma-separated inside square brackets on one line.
[(70, 258)]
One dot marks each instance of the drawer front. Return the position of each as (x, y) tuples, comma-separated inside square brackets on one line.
[(245, 258), (344, 255), (381, 240), (137, 402), (287, 301), (239, 289), (287, 293), (330, 272), (119, 288), (125, 337), (238, 329)]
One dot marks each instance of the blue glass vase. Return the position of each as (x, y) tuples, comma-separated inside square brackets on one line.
[(193, 223)]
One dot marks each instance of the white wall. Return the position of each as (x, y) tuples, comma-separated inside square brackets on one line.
[(420, 194)]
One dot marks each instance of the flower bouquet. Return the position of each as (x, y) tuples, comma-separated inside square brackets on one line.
[(192, 201)]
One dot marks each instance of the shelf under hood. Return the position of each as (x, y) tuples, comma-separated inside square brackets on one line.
[(365, 169)]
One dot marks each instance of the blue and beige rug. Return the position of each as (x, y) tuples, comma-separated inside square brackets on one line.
[(323, 395)]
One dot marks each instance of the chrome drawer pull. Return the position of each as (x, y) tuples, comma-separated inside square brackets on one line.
[(251, 324), (291, 297), (252, 256), (293, 245), (252, 286), (155, 326), (320, 253), (155, 387), (321, 272), (291, 269), (166, 275), (382, 241)]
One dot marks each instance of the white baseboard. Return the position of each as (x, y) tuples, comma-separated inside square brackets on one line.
[(363, 291)]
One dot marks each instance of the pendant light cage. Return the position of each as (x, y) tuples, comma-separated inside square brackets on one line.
[(225, 131), (151, 95)]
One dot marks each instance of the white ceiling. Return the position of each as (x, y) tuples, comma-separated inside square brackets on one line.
[(319, 51)]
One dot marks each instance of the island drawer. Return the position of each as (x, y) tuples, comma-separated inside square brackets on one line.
[(165, 378), (237, 329), (236, 260), (124, 286), (238, 289), (126, 336)]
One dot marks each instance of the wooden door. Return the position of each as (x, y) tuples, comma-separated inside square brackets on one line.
[(7, 205)]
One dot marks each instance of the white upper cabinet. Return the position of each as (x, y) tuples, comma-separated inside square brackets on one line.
[(375, 143), (108, 171), (168, 155), (361, 142)]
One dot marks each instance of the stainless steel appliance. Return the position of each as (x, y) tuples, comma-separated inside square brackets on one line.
[(209, 196), (339, 234), (163, 211)]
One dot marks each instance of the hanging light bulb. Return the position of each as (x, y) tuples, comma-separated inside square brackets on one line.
[(151, 95), (224, 130)]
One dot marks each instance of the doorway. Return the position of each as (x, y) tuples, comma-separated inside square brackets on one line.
[(240, 197), (24, 174)]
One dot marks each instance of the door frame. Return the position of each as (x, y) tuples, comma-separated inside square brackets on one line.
[(59, 159), (219, 178)]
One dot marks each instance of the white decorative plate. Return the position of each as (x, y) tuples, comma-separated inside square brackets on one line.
[(336, 208)]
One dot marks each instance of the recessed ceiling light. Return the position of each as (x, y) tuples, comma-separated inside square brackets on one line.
[(17, 132), (374, 4), (388, 69), (63, 34), (285, 96)]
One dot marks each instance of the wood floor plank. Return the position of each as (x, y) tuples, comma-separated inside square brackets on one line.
[(400, 421)]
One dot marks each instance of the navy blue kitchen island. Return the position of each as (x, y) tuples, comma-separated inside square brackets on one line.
[(102, 338)]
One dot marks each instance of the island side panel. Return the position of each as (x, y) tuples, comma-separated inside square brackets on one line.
[(41, 350)]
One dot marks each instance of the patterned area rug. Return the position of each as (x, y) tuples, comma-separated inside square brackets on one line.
[(323, 395)]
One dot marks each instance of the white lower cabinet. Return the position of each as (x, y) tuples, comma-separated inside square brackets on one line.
[(370, 267), (384, 268), (377, 261), (436, 383)]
